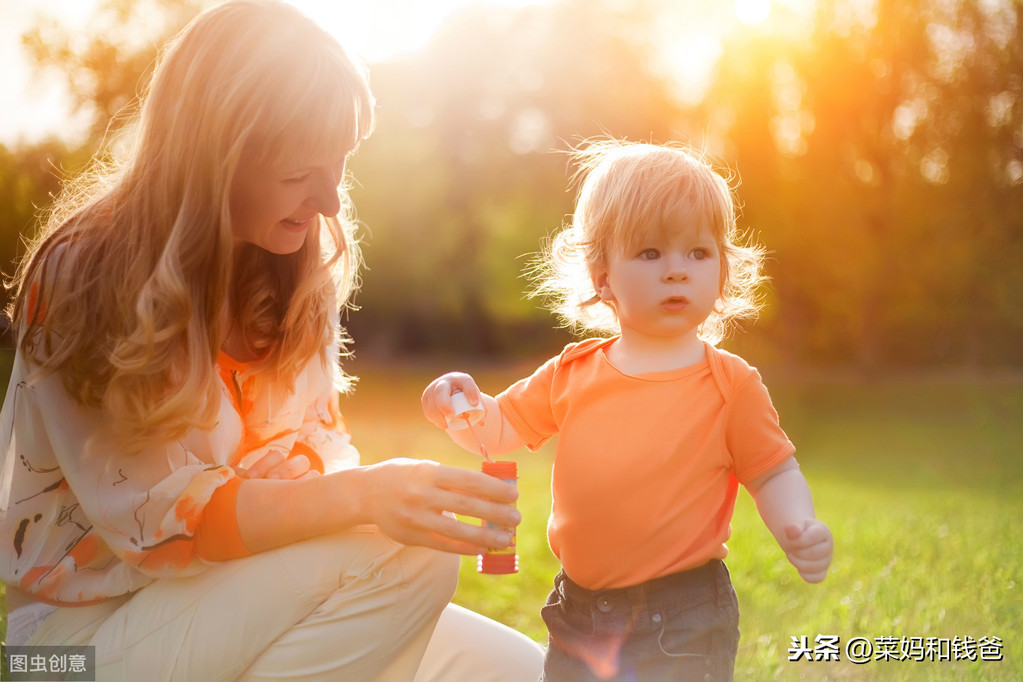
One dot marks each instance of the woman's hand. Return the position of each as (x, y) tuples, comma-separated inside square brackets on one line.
[(412, 501), (276, 464)]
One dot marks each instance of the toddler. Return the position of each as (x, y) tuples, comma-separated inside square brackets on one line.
[(657, 427)]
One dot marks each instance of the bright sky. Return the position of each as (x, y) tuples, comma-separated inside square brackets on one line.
[(31, 108), (375, 29), (28, 107)]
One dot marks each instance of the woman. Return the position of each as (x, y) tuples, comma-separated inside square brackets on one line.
[(179, 489)]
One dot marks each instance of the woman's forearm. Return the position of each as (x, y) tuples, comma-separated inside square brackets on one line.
[(274, 513), (407, 499)]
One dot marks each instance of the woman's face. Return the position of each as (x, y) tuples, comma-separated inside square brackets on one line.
[(274, 204)]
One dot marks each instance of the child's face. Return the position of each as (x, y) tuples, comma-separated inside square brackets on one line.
[(665, 285)]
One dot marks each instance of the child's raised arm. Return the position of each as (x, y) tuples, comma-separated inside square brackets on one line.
[(492, 431), (783, 500)]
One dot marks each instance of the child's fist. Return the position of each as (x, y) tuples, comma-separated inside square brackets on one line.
[(809, 548), (437, 398)]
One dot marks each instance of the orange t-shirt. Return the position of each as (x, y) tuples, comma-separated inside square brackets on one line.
[(647, 467)]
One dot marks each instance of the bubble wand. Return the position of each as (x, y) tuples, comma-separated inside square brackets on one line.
[(468, 415), (465, 416)]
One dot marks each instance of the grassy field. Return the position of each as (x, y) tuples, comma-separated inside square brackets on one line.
[(920, 480)]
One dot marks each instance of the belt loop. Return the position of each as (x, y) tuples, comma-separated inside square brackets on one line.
[(559, 585)]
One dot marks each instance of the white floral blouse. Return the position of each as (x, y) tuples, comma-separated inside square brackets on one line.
[(78, 529)]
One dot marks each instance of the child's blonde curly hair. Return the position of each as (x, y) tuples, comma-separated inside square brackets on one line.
[(629, 191)]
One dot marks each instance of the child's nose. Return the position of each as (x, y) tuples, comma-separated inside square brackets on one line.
[(675, 269)]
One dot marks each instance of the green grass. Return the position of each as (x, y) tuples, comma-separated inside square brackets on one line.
[(920, 480)]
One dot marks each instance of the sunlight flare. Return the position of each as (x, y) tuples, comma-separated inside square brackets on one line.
[(752, 11)]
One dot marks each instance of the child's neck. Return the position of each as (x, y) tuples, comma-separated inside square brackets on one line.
[(639, 354)]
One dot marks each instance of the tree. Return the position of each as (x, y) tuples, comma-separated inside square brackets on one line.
[(880, 118), (464, 174), (104, 67), (29, 179), (878, 145)]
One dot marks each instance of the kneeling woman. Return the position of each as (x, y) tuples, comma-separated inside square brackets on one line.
[(178, 487)]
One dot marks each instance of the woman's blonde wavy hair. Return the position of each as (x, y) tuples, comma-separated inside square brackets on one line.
[(124, 292), (628, 191)]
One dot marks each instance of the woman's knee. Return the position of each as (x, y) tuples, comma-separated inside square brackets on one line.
[(368, 559), (432, 571)]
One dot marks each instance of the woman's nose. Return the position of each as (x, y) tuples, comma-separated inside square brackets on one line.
[(326, 200)]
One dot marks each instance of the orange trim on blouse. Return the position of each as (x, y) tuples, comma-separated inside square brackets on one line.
[(218, 538), (82, 528)]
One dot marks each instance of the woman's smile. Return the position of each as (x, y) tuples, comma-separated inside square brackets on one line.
[(297, 225)]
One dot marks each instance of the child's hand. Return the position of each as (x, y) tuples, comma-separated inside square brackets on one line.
[(437, 397), (809, 548)]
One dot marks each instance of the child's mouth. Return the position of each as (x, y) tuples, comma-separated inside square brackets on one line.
[(675, 304)]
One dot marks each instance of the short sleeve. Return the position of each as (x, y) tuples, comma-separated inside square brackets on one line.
[(755, 439), (528, 405)]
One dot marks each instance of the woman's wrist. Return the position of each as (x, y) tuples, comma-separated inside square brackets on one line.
[(345, 496), (274, 513)]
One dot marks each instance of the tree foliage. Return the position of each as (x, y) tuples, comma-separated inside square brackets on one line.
[(879, 145), (29, 179), (892, 195), (104, 67)]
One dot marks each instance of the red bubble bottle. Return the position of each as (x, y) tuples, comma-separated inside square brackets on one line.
[(495, 561), (500, 561)]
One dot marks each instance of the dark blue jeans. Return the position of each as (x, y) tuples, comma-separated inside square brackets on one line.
[(683, 626)]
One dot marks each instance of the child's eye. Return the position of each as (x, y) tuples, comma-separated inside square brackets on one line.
[(700, 253), (649, 254)]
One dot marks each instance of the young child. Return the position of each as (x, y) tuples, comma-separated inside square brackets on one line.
[(657, 427)]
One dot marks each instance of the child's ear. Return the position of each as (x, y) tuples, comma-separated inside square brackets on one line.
[(602, 285)]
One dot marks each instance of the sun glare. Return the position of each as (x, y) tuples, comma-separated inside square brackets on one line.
[(377, 31), (752, 11), (384, 29)]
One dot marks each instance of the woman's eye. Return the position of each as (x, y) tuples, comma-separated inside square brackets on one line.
[(296, 178)]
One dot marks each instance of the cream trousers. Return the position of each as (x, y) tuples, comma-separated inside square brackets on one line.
[(352, 607)]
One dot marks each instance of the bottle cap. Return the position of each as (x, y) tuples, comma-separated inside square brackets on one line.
[(506, 470), (465, 414)]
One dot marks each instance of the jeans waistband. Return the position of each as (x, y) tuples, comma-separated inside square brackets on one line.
[(651, 589), (647, 601)]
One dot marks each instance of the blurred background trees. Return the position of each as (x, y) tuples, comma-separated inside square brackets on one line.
[(879, 145)]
